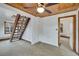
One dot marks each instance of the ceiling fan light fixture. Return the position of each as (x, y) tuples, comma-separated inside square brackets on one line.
[(40, 9)]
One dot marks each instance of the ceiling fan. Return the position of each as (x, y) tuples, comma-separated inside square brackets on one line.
[(43, 6)]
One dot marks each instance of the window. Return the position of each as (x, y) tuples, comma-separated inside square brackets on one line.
[(8, 27)]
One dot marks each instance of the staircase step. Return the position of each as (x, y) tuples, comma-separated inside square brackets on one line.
[(20, 25)]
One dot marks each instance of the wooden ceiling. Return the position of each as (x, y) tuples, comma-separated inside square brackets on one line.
[(55, 9)]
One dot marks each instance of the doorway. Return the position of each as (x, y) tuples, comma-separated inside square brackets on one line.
[(67, 31)]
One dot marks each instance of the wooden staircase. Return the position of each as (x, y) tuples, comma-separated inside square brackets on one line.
[(19, 27)]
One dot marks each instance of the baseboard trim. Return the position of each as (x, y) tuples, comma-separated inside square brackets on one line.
[(26, 40), (4, 39)]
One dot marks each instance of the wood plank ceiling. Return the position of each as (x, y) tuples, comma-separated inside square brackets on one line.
[(55, 9)]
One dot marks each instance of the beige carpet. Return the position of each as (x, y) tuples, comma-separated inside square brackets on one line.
[(23, 48), (65, 42)]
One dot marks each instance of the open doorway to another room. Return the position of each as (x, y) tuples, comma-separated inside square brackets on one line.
[(67, 32)]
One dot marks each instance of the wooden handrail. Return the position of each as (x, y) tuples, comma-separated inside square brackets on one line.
[(15, 24)]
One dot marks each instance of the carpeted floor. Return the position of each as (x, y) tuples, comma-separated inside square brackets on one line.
[(65, 42), (24, 48)]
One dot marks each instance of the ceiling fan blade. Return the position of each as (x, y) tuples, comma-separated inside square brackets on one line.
[(50, 4), (48, 10), (28, 7), (42, 3)]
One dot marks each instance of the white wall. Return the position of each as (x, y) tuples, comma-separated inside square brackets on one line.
[(36, 30), (50, 35)]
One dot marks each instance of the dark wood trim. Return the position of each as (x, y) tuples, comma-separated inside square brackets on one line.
[(74, 33), (59, 32), (14, 27), (74, 30)]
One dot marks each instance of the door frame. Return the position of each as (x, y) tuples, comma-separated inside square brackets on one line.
[(78, 32), (74, 30)]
